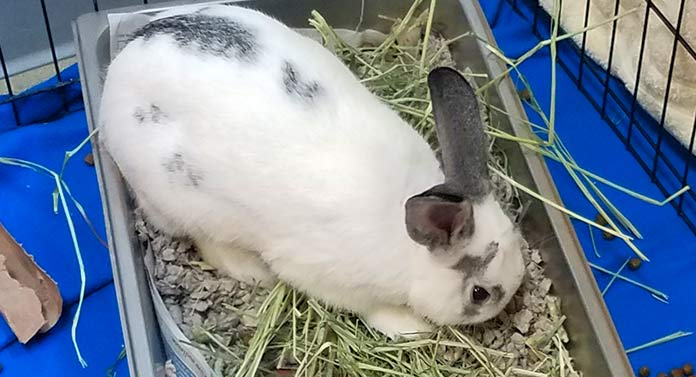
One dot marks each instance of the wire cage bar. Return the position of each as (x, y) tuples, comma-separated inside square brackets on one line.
[(666, 161), (45, 12)]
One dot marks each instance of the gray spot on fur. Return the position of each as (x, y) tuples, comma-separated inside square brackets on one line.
[(156, 113), (179, 169), (194, 178), (294, 84), (175, 163), (153, 115), (139, 115), (213, 35)]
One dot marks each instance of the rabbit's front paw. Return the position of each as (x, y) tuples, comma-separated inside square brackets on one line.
[(398, 322)]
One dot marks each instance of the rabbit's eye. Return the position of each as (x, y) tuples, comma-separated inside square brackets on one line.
[(479, 295)]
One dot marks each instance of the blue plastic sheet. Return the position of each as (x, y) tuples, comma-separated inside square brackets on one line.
[(26, 210)]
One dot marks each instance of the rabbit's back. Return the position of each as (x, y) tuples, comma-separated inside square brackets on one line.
[(251, 131)]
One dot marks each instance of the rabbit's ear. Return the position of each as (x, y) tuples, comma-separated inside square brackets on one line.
[(437, 219), (460, 133)]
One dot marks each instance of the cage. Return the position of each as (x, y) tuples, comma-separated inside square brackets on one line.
[(643, 60), (45, 53)]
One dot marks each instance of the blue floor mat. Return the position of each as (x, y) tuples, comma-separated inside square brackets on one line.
[(26, 210), (668, 242)]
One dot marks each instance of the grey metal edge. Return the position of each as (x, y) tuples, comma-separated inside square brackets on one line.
[(588, 291)]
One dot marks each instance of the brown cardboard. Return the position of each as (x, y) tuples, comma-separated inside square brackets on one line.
[(29, 299)]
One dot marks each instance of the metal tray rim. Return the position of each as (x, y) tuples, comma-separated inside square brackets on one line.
[(144, 351)]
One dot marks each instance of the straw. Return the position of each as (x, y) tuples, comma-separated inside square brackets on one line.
[(656, 342), (613, 278), (629, 280), (60, 186)]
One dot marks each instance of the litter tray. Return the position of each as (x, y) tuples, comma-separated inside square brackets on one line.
[(150, 335)]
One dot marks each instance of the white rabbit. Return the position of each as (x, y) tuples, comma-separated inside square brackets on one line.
[(261, 146)]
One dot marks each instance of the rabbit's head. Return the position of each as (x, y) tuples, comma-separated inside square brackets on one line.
[(474, 263)]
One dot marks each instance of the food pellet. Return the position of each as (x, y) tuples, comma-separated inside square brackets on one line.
[(634, 264), (89, 159), (525, 94), (599, 219), (676, 372), (608, 236), (644, 371), (688, 369)]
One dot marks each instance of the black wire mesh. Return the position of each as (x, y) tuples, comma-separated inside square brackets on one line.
[(664, 159), (15, 98)]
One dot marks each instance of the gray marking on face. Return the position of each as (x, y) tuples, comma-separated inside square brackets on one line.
[(177, 167), (207, 34), (295, 85), (474, 265), (497, 293)]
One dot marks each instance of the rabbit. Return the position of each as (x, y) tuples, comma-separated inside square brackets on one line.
[(266, 151)]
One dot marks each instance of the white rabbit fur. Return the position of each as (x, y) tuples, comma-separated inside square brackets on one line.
[(306, 187)]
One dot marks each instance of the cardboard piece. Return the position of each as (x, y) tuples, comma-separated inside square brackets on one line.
[(29, 299)]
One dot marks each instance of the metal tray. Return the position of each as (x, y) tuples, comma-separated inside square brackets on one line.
[(594, 345)]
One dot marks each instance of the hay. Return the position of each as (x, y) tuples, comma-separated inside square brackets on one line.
[(244, 331)]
